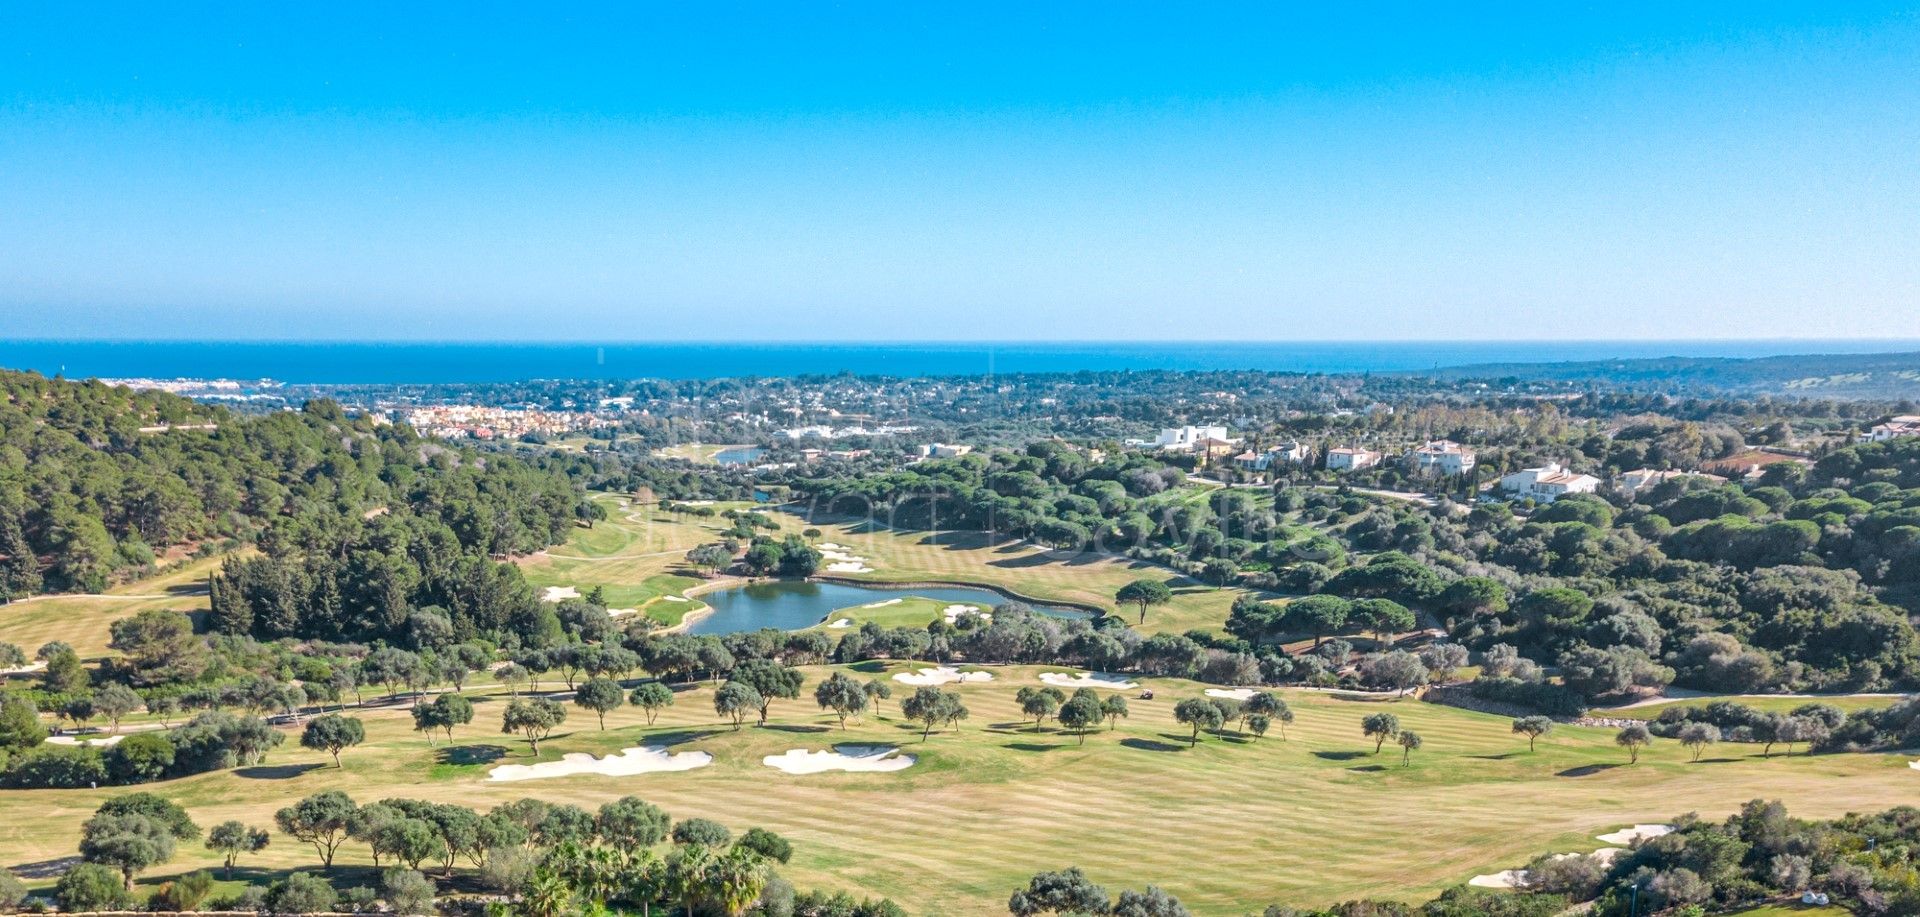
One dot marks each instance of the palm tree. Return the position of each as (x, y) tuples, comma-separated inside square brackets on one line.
[(547, 894), (736, 879)]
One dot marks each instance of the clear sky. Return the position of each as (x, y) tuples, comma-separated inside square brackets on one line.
[(716, 171)]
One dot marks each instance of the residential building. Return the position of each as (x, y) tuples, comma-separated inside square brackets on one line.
[(942, 450), (1634, 483), (1187, 439), (1903, 425), (1288, 453), (1547, 483), (1344, 459), (1443, 457)]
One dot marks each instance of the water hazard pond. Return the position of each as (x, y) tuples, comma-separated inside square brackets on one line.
[(796, 605)]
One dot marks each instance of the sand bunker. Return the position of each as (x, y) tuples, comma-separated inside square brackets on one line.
[(862, 758), (883, 604), (1914, 764), (1518, 878), (617, 612), (843, 622), (556, 593), (953, 612), (96, 740), (27, 669), (628, 763), (839, 561), (1506, 878), (675, 598), (1088, 680), (1626, 836), (1231, 693), (940, 675)]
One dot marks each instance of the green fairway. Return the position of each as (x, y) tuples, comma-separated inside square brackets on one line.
[(1313, 819), (907, 611)]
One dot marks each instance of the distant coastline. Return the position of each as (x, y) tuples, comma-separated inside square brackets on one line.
[(377, 363)]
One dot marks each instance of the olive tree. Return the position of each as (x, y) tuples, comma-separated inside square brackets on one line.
[(230, 839), (534, 718), (1533, 727), (1198, 714), (332, 733), (1633, 738), (600, 695), (1380, 727), (652, 697), (842, 695)]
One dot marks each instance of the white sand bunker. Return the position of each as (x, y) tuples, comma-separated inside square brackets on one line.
[(1519, 878), (839, 561), (95, 740), (1914, 764), (883, 604), (1231, 693), (556, 593), (1088, 680), (617, 612), (628, 763), (675, 598), (1505, 878), (843, 622), (25, 669), (940, 675), (1626, 836), (862, 758), (953, 612)]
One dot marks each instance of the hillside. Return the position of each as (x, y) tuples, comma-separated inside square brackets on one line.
[(1851, 376)]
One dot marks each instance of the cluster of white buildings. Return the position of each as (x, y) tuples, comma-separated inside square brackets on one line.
[(822, 431), (472, 421)]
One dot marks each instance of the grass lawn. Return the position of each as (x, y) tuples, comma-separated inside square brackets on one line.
[(83, 621), (1313, 819), (909, 611)]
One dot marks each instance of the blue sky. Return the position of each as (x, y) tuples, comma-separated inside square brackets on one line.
[(978, 171)]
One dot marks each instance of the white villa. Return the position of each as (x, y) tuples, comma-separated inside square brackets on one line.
[(1633, 483), (1443, 457), (1188, 439), (1547, 483), (1344, 459), (1903, 425), (1289, 453), (942, 450)]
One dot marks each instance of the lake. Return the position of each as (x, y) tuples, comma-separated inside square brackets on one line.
[(797, 605), (739, 455)]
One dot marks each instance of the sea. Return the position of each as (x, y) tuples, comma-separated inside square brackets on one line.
[(372, 362)]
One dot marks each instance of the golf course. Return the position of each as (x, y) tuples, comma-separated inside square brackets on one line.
[(1221, 819)]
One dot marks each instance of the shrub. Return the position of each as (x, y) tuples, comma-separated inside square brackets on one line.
[(408, 892), (186, 893), (12, 892), (92, 887), (300, 893), (56, 767)]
